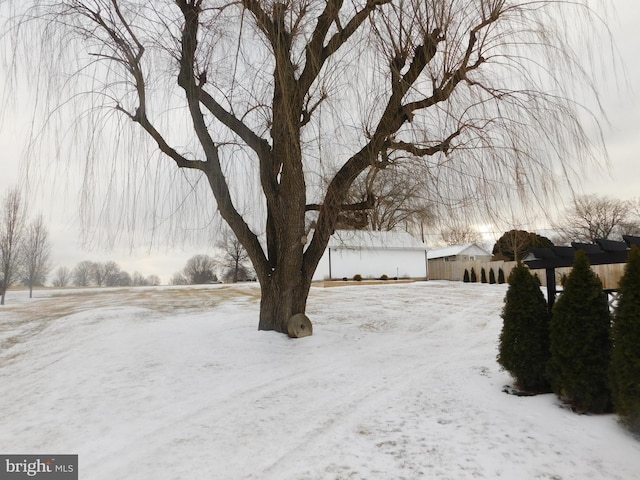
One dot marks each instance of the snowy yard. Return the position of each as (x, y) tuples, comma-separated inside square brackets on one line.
[(397, 382)]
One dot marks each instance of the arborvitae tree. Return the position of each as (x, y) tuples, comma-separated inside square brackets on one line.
[(483, 275), (474, 277), (581, 341), (625, 359), (537, 278), (524, 340), (492, 276), (465, 278), (501, 279)]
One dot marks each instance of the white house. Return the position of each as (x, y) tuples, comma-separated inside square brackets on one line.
[(460, 253), (371, 255)]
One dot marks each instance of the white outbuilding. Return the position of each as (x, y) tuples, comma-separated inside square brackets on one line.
[(372, 254), (460, 253), (449, 262)]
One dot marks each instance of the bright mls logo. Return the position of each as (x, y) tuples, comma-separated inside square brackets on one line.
[(49, 467)]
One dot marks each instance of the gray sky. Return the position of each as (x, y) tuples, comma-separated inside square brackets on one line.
[(621, 179), (622, 106)]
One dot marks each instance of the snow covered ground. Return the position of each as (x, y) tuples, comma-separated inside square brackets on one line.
[(397, 382)]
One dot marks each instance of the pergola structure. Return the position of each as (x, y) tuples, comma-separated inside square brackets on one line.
[(603, 252)]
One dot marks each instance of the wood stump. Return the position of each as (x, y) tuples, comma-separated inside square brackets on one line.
[(299, 326)]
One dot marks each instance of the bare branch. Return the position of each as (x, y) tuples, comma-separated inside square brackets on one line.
[(350, 207), (254, 141), (316, 52), (414, 149)]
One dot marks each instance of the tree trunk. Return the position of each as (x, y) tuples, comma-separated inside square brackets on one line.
[(281, 300)]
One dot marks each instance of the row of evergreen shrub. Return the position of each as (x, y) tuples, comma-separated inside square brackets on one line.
[(473, 277), (585, 355)]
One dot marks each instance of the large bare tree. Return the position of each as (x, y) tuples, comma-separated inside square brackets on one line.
[(36, 254), (593, 217), (12, 230), (272, 97), (62, 277), (200, 269), (234, 258), (83, 273), (111, 273)]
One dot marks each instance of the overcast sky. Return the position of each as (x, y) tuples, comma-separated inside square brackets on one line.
[(621, 101)]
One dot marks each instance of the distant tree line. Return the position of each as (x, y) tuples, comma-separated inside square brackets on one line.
[(202, 269), (25, 255), (231, 265), (593, 217), (101, 274)]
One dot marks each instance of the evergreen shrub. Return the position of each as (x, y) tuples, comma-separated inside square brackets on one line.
[(625, 359), (473, 277), (501, 279), (357, 277), (465, 278), (483, 275), (581, 341), (492, 276), (524, 340)]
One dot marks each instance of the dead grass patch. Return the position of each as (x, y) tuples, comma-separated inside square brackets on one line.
[(23, 320)]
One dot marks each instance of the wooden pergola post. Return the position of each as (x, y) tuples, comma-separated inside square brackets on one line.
[(551, 286)]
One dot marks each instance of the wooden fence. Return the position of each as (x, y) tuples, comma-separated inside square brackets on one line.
[(441, 270)]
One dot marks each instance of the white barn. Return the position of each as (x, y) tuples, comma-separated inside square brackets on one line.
[(372, 254)]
